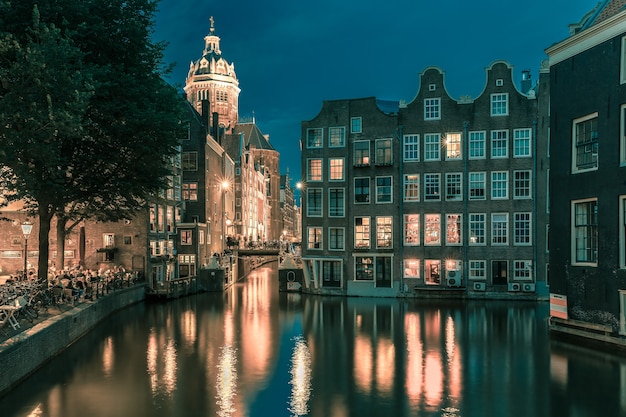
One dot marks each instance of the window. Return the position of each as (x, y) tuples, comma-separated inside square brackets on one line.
[(477, 270), (622, 142), (355, 125), (412, 187), (331, 273), (383, 190), (361, 232), (314, 170), (364, 268), (361, 190), (314, 237), (411, 268), (336, 240), (314, 138), (411, 148), (477, 229), (336, 137), (622, 232), (431, 187), (411, 229), (432, 147), (476, 145), (384, 232), (187, 265), (335, 169), (477, 185), (361, 153), (336, 202), (499, 144), (384, 153), (622, 63), (500, 104), (190, 191), (432, 232), (186, 237), (453, 146), (432, 109), (453, 229), (522, 143), (499, 229), (522, 229), (521, 184), (454, 191), (499, 182), (585, 132), (522, 270), (189, 161), (314, 202), (432, 271), (585, 231)]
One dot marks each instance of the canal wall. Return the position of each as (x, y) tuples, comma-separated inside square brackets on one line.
[(27, 351)]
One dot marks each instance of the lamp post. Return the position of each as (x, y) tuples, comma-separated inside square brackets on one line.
[(27, 227)]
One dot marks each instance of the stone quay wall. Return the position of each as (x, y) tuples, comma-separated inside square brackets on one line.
[(23, 354)]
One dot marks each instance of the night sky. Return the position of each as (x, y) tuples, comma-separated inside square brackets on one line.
[(290, 56)]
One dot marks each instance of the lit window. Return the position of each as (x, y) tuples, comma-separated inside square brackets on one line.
[(336, 202), (499, 229), (355, 125), (432, 147), (384, 232), (586, 143), (522, 229), (453, 146), (477, 229), (190, 191), (314, 170), (432, 109), (412, 187), (453, 229), (454, 190), (361, 232), (314, 202), (499, 185), (186, 237), (432, 187), (522, 143), (314, 138), (432, 231), (336, 137), (585, 231), (432, 271), (384, 153), (361, 190), (361, 153), (411, 148), (500, 144), (314, 237), (500, 104), (336, 171), (411, 268), (411, 229), (522, 185), (383, 190)]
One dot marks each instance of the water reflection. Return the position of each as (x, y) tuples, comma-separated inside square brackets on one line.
[(254, 352)]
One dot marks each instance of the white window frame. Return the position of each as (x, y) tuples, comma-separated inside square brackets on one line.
[(622, 231), (383, 149), (334, 132), (432, 108), (622, 63), (317, 243), (411, 268), (362, 232), (499, 137), (522, 188), (454, 229), (479, 139), (522, 222), (622, 137), (454, 150), (309, 137), (477, 269), (412, 229), (575, 236), (356, 125), (474, 178), (384, 232), (311, 174), (380, 188), (369, 187), (449, 183), (432, 147), (593, 165), (523, 136), (333, 165), (499, 234), (411, 188), (362, 157), (499, 104), (500, 185), (319, 210), (337, 211), (432, 180), (411, 148), (522, 270), (432, 229), (340, 243), (477, 222)]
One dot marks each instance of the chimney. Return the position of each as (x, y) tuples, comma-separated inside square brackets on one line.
[(205, 113), (526, 83), (217, 135)]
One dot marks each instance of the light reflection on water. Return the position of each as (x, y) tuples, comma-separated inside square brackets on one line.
[(253, 352)]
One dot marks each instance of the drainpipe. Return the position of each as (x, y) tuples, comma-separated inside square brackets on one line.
[(401, 208), (534, 149), (465, 140)]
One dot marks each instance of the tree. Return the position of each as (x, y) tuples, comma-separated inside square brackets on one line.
[(96, 125)]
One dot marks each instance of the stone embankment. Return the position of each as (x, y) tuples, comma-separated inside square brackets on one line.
[(25, 352)]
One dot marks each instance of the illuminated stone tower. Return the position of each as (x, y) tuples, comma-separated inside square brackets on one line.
[(212, 78)]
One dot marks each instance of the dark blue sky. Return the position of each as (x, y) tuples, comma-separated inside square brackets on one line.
[(289, 56)]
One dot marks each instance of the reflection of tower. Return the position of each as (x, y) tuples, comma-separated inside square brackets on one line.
[(213, 79)]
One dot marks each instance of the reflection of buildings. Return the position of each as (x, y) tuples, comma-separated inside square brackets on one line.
[(588, 163), (434, 194)]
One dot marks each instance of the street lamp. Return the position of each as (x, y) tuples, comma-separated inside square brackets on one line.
[(27, 227)]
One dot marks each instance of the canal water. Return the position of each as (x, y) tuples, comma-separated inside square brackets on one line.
[(253, 351)]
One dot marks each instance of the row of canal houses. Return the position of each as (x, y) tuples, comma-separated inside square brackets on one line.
[(519, 193)]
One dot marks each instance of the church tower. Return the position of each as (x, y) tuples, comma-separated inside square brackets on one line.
[(213, 79)]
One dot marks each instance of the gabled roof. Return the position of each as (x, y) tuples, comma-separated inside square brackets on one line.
[(603, 10), (252, 136)]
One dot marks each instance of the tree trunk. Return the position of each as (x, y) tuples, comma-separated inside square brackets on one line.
[(45, 217), (60, 233)]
